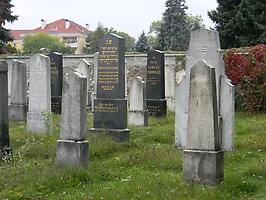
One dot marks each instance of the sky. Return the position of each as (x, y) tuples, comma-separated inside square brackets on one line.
[(130, 16)]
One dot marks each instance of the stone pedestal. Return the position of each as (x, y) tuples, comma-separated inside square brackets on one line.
[(72, 153), (138, 118), (156, 106), (118, 135), (204, 167)]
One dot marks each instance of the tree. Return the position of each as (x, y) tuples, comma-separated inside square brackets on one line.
[(152, 36), (174, 31), (240, 23), (33, 43), (5, 16), (94, 37), (194, 22), (142, 43)]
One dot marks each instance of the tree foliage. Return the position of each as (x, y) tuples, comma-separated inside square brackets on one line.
[(240, 23), (142, 43), (33, 43), (174, 31), (94, 37), (5, 16)]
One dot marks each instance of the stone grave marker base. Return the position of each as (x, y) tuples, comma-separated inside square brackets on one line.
[(118, 135), (18, 112), (156, 107), (204, 167), (138, 118), (72, 153)]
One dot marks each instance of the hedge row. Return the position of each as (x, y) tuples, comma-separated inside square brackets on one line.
[(246, 67)]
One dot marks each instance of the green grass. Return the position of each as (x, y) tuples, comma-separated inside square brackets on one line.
[(147, 167)]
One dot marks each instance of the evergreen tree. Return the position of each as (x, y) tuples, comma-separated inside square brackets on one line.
[(241, 22), (5, 16), (174, 31), (142, 43)]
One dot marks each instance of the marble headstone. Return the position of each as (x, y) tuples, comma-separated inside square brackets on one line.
[(39, 118), (138, 114), (203, 158), (5, 149), (205, 45), (72, 148), (18, 100), (155, 83), (110, 105)]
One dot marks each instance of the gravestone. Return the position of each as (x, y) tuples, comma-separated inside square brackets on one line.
[(205, 45), (110, 105), (155, 83), (18, 100), (39, 116), (203, 158), (95, 70), (138, 114), (84, 68), (170, 87), (72, 148), (5, 150), (56, 60)]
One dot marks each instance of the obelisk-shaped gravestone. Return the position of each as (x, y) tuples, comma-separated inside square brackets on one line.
[(5, 150), (110, 105), (205, 45), (203, 158), (39, 116), (138, 114), (155, 83), (18, 100), (56, 60), (72, 148)]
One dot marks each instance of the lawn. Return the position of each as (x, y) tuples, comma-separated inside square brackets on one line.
[(147, 167)]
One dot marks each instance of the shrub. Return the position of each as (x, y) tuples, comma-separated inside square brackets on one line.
[(246, 67)]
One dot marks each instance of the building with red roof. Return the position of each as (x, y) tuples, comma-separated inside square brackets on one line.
[(73, 34)]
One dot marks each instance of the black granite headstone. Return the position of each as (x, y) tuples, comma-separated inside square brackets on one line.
[(155, 83), (56, 60), (4, 125), (110, 105)]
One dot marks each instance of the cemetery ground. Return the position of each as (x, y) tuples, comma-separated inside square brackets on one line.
[(147, 167)]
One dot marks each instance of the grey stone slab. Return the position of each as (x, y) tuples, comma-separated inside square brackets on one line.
[(18, 99), (202, 133), (180, 112), (84, 68), (170, 87), (138, 118), (205, 167), (72, 153), (74, 102), (4, 121), (39, 118), (227, 111)]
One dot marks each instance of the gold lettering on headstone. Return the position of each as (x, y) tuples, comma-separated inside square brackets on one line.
[(106, 107)]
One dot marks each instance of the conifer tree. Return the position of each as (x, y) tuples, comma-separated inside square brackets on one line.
[(142, 43)]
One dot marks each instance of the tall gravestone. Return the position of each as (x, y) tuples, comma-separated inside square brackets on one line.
[(39, 118), (5, 150), (203, 158), (84, 68), (95, 71), (138, 114), (155, 83), (72, 148), (18, 100), (56, 60), (205, 45), (110, 105)]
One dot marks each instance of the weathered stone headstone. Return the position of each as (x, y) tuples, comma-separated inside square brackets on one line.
[(110, 105), (170, 87), (138, 114), (18, 100), (205, 45), (155, 83), (85, 69), (56, 60), (39, 118), (95, 71), (72, 148), (5, 150), (203, 158)]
